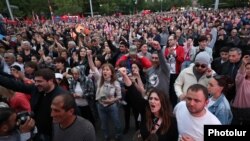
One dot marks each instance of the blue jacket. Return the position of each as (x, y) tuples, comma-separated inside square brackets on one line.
[(221, 109)]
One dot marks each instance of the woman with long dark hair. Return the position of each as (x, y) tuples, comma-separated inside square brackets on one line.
[(157, 119)]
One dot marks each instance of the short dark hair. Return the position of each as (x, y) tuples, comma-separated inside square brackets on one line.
[(5, 113), (16, 67), (100, 58), (224, 49), (46, 73), (68, 102), (32, 65), (173, 35), (124, 43), (223, 81), (155, 52), (93, 40), (198, 87), (202, 38), (246, 52), (190, 37), (60, 60)]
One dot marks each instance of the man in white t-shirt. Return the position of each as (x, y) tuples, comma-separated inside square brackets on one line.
[(192, 114)]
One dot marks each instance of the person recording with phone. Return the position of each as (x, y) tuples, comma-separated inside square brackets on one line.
[(16, 126)]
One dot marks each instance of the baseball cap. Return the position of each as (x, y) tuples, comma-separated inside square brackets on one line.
[(132, 49)]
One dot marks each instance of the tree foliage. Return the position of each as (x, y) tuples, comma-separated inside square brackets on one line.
[(101, 7)]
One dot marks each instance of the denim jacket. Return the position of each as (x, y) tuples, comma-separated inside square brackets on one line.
[(221, 109)]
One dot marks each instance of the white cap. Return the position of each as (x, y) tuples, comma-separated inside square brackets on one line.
[(58, 76)]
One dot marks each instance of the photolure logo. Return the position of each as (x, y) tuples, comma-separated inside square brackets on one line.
[(232, 132)]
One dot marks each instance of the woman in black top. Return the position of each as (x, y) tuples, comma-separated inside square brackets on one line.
[(156, 112)]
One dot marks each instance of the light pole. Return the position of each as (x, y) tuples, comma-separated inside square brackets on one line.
[(135, 12), (91, 9), (161, 5), (8, 5), (216, 4)]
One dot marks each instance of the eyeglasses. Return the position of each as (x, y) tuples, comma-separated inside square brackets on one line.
[(197, 65)]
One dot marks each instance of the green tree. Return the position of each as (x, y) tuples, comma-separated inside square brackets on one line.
[(66, 6), (26, 7), (102, 7)]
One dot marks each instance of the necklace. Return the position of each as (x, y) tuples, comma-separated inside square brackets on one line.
[(156, 124)]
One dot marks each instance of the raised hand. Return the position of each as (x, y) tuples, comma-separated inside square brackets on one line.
[(155, 45), (27, 126), (209, 72), (89, 52), (122, 71)]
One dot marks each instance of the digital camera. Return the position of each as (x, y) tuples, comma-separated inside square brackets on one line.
[(23, 116)]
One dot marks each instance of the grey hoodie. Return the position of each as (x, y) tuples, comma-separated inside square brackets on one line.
[(159, 76)]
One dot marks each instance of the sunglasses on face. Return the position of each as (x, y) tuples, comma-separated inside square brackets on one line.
[(200, 65)]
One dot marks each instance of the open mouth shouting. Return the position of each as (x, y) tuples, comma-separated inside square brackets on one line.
[(154, 103), (152, 107)]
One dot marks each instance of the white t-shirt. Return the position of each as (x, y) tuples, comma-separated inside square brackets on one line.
[(211, 102), (78, 91), (190, 125)]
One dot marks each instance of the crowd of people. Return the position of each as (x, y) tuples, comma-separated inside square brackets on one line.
[(177, 71)]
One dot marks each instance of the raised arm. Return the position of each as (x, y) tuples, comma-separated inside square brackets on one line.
[(134, 97), (162, 60), (92, 66), (15, 85), (126, 80), (90, 60), (139, 84)]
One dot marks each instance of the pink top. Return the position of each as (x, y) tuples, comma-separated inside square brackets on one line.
[(242, 98)]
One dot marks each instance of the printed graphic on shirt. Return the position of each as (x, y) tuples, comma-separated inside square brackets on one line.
[(154, 80)]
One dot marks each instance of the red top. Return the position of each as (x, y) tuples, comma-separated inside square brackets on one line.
[(146, 63), (20, 102), (179, 57)]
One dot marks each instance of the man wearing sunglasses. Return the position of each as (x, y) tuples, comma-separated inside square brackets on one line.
[(197, 73)]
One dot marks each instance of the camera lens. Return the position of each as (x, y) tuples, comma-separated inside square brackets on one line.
[(23, 116)]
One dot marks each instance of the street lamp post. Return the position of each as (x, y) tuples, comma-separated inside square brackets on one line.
[(216, 4), (91, 9), (8, 5), (136, 2), (161, 5)]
